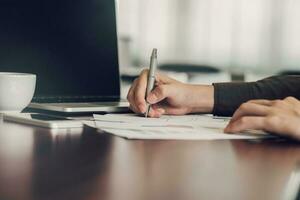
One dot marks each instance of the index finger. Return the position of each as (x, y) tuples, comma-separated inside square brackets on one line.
[(250, 109), (246, 123)]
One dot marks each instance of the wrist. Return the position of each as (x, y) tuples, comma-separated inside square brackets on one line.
[(203, 98)]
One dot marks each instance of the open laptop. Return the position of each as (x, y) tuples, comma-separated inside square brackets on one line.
[(72, 48)]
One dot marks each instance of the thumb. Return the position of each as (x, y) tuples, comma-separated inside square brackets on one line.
[(160, 93)]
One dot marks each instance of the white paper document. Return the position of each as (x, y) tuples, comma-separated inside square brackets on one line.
[(187, 127)]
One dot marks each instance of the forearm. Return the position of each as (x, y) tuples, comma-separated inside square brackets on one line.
[(229, 96)]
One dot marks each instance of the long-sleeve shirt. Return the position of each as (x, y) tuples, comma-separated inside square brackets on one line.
[(229, 96)]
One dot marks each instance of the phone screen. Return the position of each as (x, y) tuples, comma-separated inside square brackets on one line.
[(46, 117)]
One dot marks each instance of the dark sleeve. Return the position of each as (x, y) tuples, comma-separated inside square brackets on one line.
[(229, 96)]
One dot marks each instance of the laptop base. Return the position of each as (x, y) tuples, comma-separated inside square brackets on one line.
[(91, 107)]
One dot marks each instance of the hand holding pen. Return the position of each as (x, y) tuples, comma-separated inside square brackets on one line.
[(154, 94)]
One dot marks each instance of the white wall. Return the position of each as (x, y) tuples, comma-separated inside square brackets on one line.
[(259, 35)]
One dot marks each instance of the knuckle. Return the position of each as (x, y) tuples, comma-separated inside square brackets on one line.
[(290, 99), (251, 101)]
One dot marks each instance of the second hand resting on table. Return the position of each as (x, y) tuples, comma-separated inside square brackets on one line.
[(281, 117), (172, 97)]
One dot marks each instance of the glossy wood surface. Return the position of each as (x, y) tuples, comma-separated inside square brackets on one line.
[(37, 163)]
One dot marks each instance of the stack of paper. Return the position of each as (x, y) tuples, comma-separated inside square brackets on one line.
[(187, 127)]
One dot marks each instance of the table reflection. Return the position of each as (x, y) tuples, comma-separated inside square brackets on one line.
[(274, 161), (66, 161), (39, 163)]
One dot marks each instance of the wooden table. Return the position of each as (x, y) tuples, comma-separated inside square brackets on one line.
[(37, 163)]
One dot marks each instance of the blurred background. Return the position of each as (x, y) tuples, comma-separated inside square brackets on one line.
[(251, 39)]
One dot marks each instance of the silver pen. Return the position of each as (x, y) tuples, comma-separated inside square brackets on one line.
[(151, 77)]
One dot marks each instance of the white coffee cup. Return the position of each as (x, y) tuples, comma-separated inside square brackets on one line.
[(16, 91)]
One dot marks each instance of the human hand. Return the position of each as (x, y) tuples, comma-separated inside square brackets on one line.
[(169, 96), (281, 117)]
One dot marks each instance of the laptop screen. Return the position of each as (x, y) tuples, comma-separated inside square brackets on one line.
[(71, 45)]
